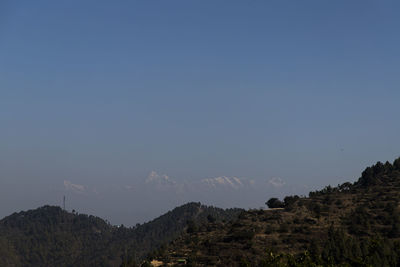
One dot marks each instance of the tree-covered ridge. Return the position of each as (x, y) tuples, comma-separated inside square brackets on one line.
[(149, 236), (353, 224), (50, 236)]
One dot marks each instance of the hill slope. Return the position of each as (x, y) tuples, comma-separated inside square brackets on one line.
[(348, 225), (49, 236)]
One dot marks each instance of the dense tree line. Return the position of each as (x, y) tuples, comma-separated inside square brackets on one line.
[(50, 236)]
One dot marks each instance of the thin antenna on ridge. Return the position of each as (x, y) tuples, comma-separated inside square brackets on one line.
[(64, 203)]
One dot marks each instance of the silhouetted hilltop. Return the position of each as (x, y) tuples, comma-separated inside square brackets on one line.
[(380, 174)]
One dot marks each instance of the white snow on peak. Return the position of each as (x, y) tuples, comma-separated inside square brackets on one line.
[(233, 182), (74, 187), (154, 177), (276, 182)]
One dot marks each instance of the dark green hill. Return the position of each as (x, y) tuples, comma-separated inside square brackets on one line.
[(348, 225), (49, 236)]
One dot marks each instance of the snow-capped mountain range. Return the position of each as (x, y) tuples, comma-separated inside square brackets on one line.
[(157, 193)]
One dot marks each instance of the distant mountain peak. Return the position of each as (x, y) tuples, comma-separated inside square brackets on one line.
[(276, 182), (78, 188), (163, 179), (232, 182)]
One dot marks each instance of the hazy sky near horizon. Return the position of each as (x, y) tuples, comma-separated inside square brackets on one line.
[(103, 92)]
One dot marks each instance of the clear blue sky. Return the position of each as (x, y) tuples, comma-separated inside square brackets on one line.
[(102, 92)]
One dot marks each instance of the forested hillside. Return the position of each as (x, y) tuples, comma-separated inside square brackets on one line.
[(50, 236), (352, 224)]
